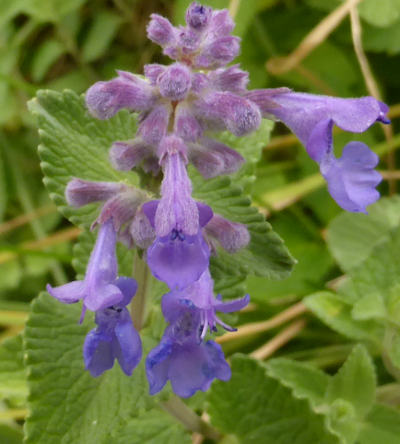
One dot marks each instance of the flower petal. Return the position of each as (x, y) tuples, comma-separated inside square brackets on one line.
[(157, 363), (97, 352), (128, 287), (232, 305), (68, 293), (127, 346), (177, 262), (352, 179)]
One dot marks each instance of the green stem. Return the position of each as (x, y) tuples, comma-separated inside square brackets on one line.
[(185, 415), (141, 273)]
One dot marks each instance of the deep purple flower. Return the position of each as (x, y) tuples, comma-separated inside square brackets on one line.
[(351, 178), (199, 296), (115, 336), (184, 359), (99, 288)]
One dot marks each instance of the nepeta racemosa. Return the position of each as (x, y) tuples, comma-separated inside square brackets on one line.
[(180, 109)]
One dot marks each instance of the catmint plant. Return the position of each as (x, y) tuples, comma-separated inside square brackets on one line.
[(181, 107)]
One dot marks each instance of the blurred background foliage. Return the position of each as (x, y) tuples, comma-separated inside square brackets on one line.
[(60, 44)]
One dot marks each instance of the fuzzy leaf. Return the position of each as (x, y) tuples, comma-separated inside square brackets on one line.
[(266, 255), (258, 409), (382, 425), (153, 427), (306, 381), (352, 236), (355, 382), (66, 403), (336, 313), (73, 144), (12, 370)]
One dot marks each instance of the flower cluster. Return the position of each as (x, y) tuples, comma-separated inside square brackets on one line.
[(179, 106)]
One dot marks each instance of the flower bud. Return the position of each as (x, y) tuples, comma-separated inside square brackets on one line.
[(121, 208), (141, 230), (126, 155), (104, 99), (198, 16), (220, 52), (239, 115), (152, 71), (160, 30), (232, 236), (230, 79), (186, 125), (175, 82), (82, 192), (221, 23), (154, 125)]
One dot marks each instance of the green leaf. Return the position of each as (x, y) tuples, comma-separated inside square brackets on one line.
[(382, 13), (342, 421), (73, 144), (266, 254), (355, 382), (10, 435), (44, 57), (100, 35), (382, 425), (305, 380), (377, 281), (153, 427), (50, 10), (382, 39), (66, 403), (337, 314), (352, 236), (12, 370), (258, 409)]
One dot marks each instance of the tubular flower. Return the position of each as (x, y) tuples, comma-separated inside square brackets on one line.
[(180, 107), (184, 359), (114, 337), (351, 178)]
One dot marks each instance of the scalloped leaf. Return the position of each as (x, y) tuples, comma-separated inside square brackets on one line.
[(74, 144), (259, 409), (66, 403)]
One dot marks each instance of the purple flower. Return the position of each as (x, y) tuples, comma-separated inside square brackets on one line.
[(175, 82), (99, 289), (232, 236), (212, 158), (199, 296), (184, 359), (104, 99), (179, 254), (115, 336), (204, 43), (351, 178)]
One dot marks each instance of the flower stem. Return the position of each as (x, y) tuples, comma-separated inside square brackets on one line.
[(179, 410), (141, 273), (260, 327), (279, 340)]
